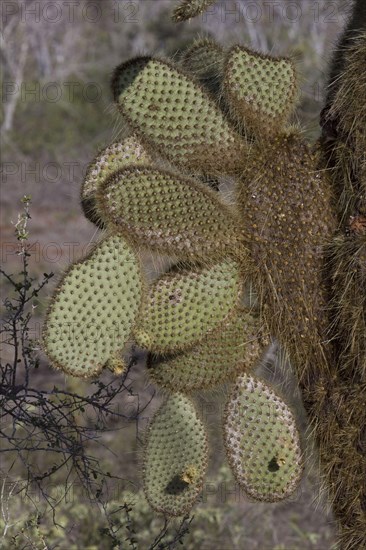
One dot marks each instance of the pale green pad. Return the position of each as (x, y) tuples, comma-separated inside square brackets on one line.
[(182, 307), (262, 441), (172, 214), (175, 457), (176, 117), (115, 156), (94, 309), (190, 8), (233, 348), (261, 90)]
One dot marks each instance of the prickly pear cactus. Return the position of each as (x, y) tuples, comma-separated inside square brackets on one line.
[(204, 60), (295, 229), (261, 90)]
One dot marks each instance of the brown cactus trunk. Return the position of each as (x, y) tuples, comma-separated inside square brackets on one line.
[(339, 415)]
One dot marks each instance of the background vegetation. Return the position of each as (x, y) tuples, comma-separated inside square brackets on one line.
[(56, 113)]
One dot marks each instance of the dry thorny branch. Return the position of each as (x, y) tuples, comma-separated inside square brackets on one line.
[(61, 423)]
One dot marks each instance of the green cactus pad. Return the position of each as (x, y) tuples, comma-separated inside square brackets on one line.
[(115, 156), (94, 309), (171, 112), (182, 307), (169, 213), (175, 457), (262, 441), (233, 348), (205, 61), (260, 89), (190, 8)]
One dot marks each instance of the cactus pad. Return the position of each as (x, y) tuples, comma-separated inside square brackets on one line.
[(166, 212), (94, 309), (234, 347), (182, 307), (260, 89), (175, 457), (205, 61), (190, 8), (262, 441), (115, 156), (171, 113)]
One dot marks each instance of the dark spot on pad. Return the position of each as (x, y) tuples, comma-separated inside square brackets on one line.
[(176, 486), (273, 465)]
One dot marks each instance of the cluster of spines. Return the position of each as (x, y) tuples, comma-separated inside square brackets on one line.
[(187, 9), (348, 260), (344, 157), (343, 143)]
